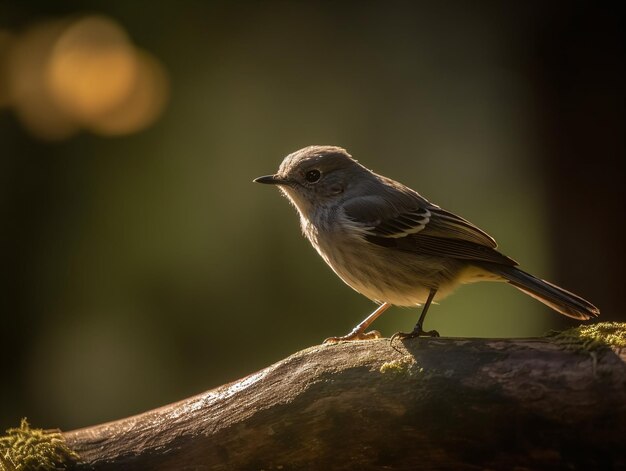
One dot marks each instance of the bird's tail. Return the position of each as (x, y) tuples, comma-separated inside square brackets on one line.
[(551, 295)]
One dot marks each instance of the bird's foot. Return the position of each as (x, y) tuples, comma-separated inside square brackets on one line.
[(416, 332), (355, 335)]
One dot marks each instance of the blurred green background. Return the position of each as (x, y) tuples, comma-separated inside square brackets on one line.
[(141, 265)]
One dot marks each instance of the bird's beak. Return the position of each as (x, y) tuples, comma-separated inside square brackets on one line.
[(270, 180)]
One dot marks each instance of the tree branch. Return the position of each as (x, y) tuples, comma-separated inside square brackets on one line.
[(431, 404)]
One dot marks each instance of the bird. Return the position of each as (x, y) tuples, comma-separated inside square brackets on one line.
[(392, 245)]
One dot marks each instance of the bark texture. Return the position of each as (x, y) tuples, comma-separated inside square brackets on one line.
[(431, 404)]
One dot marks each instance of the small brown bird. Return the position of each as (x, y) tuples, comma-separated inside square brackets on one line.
[(390, 244)]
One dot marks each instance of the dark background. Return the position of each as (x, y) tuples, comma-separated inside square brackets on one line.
[(142, 268)]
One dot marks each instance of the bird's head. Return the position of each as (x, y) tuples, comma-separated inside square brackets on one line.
[(316, 176)]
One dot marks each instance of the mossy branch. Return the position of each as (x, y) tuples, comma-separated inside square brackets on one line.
[(30, 449), (438, 403)]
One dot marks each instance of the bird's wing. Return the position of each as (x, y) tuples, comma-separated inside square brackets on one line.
[(402, 219)]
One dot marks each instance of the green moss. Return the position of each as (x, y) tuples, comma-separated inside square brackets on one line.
[(31, 449), (592, 337), (404, 366)]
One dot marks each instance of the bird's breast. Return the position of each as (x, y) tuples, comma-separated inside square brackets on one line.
[(379, 273)]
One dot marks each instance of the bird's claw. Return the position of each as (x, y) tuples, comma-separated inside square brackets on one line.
[(371, 335), (417, 332)]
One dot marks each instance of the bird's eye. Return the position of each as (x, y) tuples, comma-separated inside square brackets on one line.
[(312, 176)]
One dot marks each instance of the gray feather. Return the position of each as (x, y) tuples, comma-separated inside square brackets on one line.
[(557, 298), (400, 218)]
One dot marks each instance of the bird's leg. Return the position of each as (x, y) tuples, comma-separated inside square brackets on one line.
[(418, 331), (358, 333)]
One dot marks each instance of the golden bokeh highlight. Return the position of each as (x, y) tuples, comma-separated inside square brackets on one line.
[(64, 75), (143, 105), (26, 67), (7, 39), (91, 69)]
